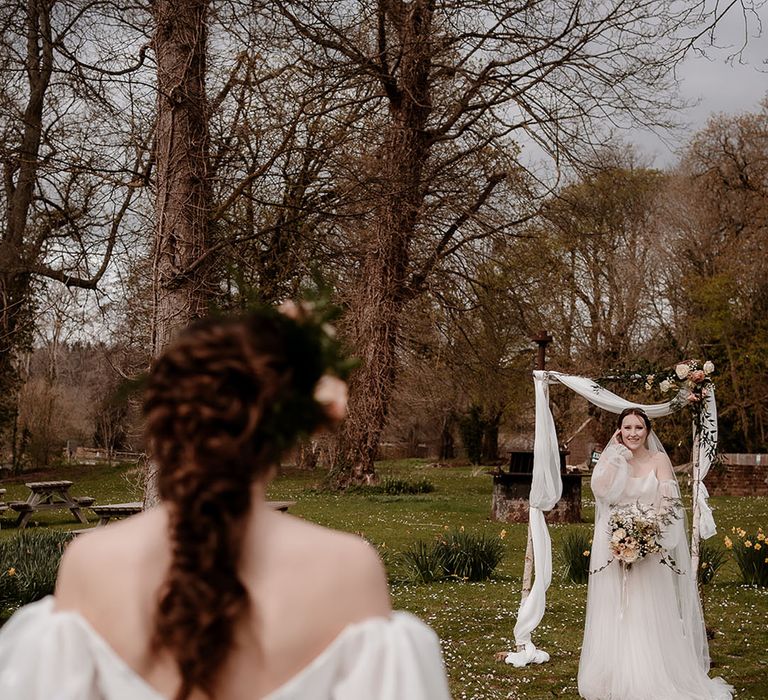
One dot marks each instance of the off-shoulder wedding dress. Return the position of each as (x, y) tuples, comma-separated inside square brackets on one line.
[(47, 654)]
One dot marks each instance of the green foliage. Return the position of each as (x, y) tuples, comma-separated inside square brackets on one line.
[(457, 554), (751, 554), (29, 562), (422, 562), (395, 486), (467, 556), (711, 558), (575, 554)]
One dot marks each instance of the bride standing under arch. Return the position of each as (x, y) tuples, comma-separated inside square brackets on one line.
[(644, 635)]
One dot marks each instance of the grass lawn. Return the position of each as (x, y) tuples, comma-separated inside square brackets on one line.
[(475, 620)]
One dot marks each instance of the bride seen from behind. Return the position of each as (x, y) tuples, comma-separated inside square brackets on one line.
[(644, 635), (213, 594)]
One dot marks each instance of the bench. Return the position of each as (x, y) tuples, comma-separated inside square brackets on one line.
[(116, 510)]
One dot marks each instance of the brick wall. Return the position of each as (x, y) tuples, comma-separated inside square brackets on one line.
[(739, 475)]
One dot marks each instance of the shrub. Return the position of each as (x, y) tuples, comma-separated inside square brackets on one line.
[(575, 553), (395, 487), (457, 554), (422, 562), (392, 486), (29, 563), (711, 558), (469, 557), (751, 554)]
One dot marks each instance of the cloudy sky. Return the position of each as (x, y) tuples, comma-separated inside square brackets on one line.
[(716, 84)]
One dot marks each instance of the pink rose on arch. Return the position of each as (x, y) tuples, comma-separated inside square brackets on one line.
[(697, 376)]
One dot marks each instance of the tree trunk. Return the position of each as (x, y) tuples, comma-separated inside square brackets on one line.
[(15, 313), (376, 308), (181, 272), (491, 438), (447, 444)]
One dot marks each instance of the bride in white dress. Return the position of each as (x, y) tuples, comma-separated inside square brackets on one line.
[(212, 594), (644, 636)]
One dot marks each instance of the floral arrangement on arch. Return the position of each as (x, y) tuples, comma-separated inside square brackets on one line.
[(687, 383), (691, 379), (691, 382)]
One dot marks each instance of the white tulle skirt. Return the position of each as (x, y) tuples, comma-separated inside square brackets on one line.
[(634, 646)]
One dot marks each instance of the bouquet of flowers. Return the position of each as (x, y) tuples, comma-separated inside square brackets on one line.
[(635, 532)]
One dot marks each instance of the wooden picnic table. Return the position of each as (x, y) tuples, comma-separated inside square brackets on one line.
[(108, 511), (49, 495)]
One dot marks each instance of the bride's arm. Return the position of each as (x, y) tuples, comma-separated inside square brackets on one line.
[(611, 471)]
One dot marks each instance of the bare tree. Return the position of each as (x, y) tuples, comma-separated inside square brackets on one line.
[(182, 284), (458, 87), (69, 175)]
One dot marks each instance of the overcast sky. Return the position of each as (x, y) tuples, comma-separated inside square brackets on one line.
[(716, 84)]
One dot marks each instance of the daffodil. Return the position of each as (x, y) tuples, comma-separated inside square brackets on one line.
[(747, 543), (12, 571), (502, 534), (586, 552), (728, 542), (757, 546)]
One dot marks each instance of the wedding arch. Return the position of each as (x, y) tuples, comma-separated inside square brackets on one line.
[(547, 488)]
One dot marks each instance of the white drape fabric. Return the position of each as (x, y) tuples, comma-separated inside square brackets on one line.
[(547, 489)]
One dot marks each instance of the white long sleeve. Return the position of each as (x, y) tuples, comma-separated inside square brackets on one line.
[(610, 474)]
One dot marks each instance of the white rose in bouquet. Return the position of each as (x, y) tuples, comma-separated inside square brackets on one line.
[(629, 553), (682, 370), (665, 386), (709, 367)]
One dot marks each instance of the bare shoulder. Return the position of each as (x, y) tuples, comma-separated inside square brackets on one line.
[(342, 562), (663, 466), (103, 559)]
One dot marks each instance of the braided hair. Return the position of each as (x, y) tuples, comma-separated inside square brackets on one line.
[(221, 405)]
